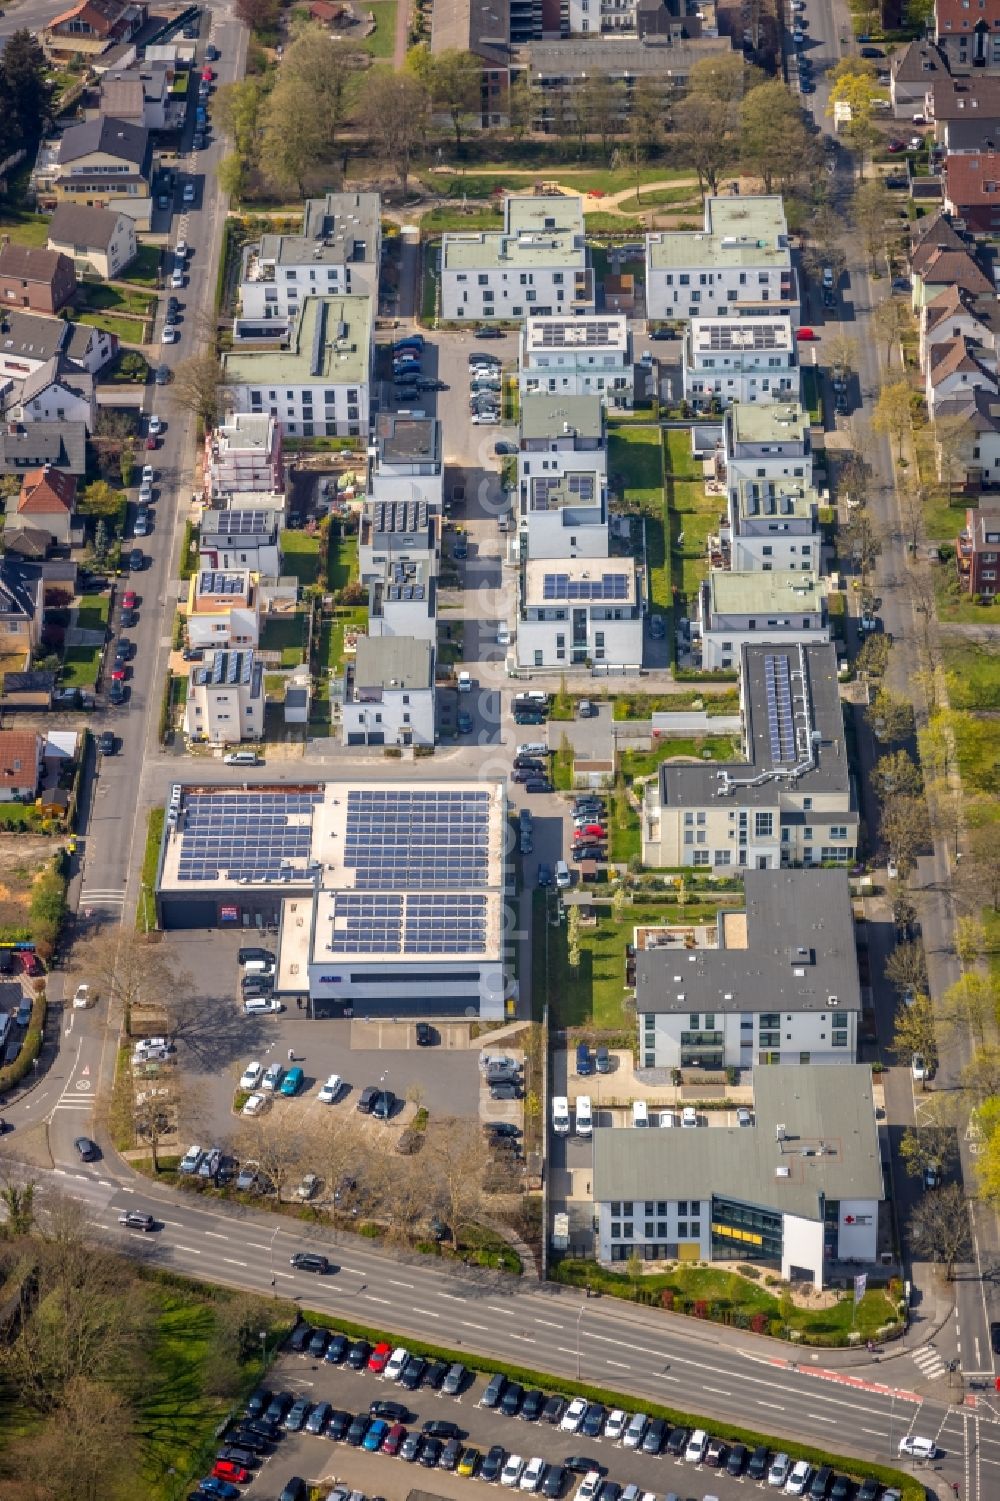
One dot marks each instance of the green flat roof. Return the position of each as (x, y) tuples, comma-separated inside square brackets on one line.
[(739, 231), (753, 592), (329, 341), (784, 422)]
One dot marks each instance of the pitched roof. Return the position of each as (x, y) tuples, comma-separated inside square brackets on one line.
[(31, 263), (56, 370), (972, 178), (119, 138), (78, 224), (918, 62), (20, 584), (47, 492), (63, 445), (953, 16), (952, 357), (979, 406), (101, 15), (124, 97), (33, 336), (943, 266), (18, 758), (960, 98), (937, 229), (465, 25)]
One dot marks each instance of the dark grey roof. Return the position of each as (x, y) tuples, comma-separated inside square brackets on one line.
[(403, 518), (79, 224), (239, 528), (341, 229), (58, 371), (819, 759), (36, 681), (104, 133), (31, 335), (404, 440), (403, 662), (32, 445), (800, 953), (618, 57), (825, 1107), (19, 585)]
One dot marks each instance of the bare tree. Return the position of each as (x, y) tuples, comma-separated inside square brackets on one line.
[(913, 1030), (890, 322), (198, 387), (912, 499), (906, 830), (125, 968), (394, 111), (906, 968), (455, 1160), (87, 1450), (981, 1075), (939, 1228), (922, 1147), (279, 1146), (892, 414)]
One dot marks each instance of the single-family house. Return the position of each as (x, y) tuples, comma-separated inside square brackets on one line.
[(955, 367), (388, 696), (140, 94), (105, 163), (33, 445), (914, 70), (30, 340), (953, 314), (967, 440), (934, 267), (21, 609), (99, 241), (223, 609), (34, 277), (968, 36), (978, 549), (965, 112), (971, 182), (20, 765), (92, 27), (46, 503), (225, 701), (60, 390)]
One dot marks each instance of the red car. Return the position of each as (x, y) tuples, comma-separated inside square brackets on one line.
[(30, 963), (118, 675), (805, 334), (379, 1358), (590, 831), (130, 599), (207, 75), (895, 147), (224, 1469), (152, 442), (393, 1439)]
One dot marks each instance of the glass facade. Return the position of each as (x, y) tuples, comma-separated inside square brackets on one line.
[(741, 1232)]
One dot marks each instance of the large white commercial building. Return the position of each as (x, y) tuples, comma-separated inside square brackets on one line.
[(776, 983), (584, 356), (537, 264), (798, 1191), (739, 265), (740, 359)]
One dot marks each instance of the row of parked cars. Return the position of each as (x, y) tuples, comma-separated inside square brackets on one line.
[(485, 386)]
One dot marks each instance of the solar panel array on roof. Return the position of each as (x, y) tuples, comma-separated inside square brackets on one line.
[(246, 836), (238, 523), (780, 723), (400, 515), (210, 582), (580, 333), (379, 923), (579, 487), (720, 335), (608, 586), (403, 582), (417, 841)]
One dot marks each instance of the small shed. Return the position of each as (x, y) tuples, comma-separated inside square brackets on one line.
[(619, 293)]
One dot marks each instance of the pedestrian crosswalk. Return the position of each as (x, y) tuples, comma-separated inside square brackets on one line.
[(92, 897), (929, 1362)]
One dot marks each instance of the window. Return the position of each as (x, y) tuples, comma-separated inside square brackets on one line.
[(763, 825), (838, 831), (702, 857)]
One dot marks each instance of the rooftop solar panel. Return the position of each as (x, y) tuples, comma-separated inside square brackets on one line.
[(246, 836), (608, 586)]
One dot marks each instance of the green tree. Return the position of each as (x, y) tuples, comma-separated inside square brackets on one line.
[(913, 1031), (892, 413), (127, 462), (394, 114), (455, 82), (237, 111), (969, 1006), (906, 830), (896, 775), (19, 1201), (100, 499), (774, 143), (520, 105), (890, 717), (231, 175), (29, 85), (705, 139), (871, 208), (921, 1147)]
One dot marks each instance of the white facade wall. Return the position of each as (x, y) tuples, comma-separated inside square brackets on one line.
[(58, 404), (739, 377), (615, 1217), (223, 713), (238, 627), (549, 643), (809, 1032), (720, 646), (699, 292), (324, 410), (769, 466), (388, 484), (292, 282), (507, 292), (587, 17), (401, 718), (802, 1247), (777, 550), (401, 617)]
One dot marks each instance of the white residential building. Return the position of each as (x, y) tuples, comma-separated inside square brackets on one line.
[(609, 17), (789, 802), (739, 265), (389, 692), (400, 531), (242, 538), (243, 454), (773, 524), (337, 254), (579, 611), (767, 443), (562, 468), (406, 459), (740, 359), (537, 264), (584, 356), (225, 702), (775, 982), (739, 609), (402, 599), (223, 609)]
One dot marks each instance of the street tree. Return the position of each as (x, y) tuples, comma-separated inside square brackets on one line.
[(939, 1228), (454, 1162), (863, 536), (842, 353), (912, 498), (889, 321), (231, 176), (890, 717), (455, 81), (987, 1119), (872, 659), (123, 967), (157, 1108), (970, 941), (278, 1145), (774, 143), (198, 387), (891, 416), (906, 830), (913, 1030), (854, 477), (954, 436), (394, 112), (981, 1075), (896, 775), (238, 112), (970, 1005), (871, 208), (906, 968), (982, 860)]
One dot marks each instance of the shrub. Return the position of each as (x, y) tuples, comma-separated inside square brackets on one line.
[(15, 1072), (759, 1323), (667, 1298), (700, 1309), (746, 1270)]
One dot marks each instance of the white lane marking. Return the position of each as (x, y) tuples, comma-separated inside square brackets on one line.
[(393, 1283), (256, 1245), (190, 1250), (529, 1339), (875, 1432), (620, 1364), (128, 1190), (285, 1274), (104, 1183), (718, 1390), (215, 1235), (372, 1299), (775, 1405), (548, 1323), (176, 1224), (452, 1297), (484, 1327), (426, 1313), (230, 1262)]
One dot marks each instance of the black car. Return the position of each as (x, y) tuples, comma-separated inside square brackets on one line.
[(425, 384), (528, 763), (553, 1482), (760, 1461), (487, 332), (430, 1453), (534, 1400), (505, 1091), (653, 1438), (383, 1105), (255, 956), (736, 1459), (317, 1420), (995, 1337), (425, 1035), (593, 1420), (356, 1432), (506, 1130), (663, 333), (510, 1402), (136, 561), (337, 1424), (248, 1438), (410, 1447), (317, 1345), (868, 1490), (270, 1432), (441, 1428), (297, 1414), (582, 1464), (257, 1402), (311, 1261), (450, 1454), (132, 1219), (538, 784), (842, 1488), (357, 1355), (587, 852), (367, 1098), (130, 618), (435, 1374), (299, 1338), (336, 1349), (392, 1412), (493, 1462), (521, 716), (676, 1441), (88, 1150), (412, 1373), (610, 1491), (106, 744), (235, 1454), (277, 1407), (555, 1406)]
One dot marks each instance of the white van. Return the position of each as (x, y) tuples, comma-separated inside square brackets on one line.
[(242, 758), (560, 1115), (563, 876), (261, 1005), (259, 967), (584, 1116), (640, 1115), (465, 682)]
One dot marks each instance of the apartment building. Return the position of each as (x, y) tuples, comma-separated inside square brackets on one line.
[(739, 609), (338, 254), (767, 443), (562, 469), (225, 702), (775, 983), (578, 612), (140, 94), (244, 455), (978, 549), (403, 599), (584, 356), (798, 1191), (99, 241), (968, 36), (396, 531), (388, 692), (223, 609), (772, 525), (104, 163), (317, 383), (247, 539), (740, 359), (536, 265), (739, 265), (406, 460), (790, 801)]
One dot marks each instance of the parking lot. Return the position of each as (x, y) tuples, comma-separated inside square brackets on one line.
[(319, 1459)]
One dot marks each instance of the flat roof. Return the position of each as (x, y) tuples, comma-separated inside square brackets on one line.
[(340, 229), (754, 593), (554, 581), (779, 422), (794, 951), (241, 432), (546, 415), (740, 231), (781, 497), (829, 1149), (407, 440), (329, 341), (538, 232), (529, 212), (586, 335), (743, 335), (398, 662)]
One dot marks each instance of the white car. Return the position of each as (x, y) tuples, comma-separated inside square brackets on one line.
[(83, 998), (485, 419), (145, 494), (617, 1422), (397, 1360), (892, 870), (778, 1473), (148, 474), (176, 279), (510, 1475), (272, 1078), (918, 1067), (573, 1416), (689, 1116), (155, 425), (797, 1481), (503, 635), (169, 335), (590, 1486), (696, 1446), (251, 1076), (256, 1105), (181, 249), (188, 194), (916, 1447), (532, 1475), (331, 1089)]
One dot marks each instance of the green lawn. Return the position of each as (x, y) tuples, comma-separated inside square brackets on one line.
[(17, 815), (331, 636), (80, 666), (342, 561), (955, 605), (812, 396), (689, 512), (145, 916), (704, 747), (643, 705), (437, 220), (144, 270), (973, 674), (93, 614), (300, 555), (127, 330), (25, 229), (287, 634), (518, 178), (100, 297), (635, 469), (382, 42)]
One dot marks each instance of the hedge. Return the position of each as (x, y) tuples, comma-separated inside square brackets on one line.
[(912, 1489)]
